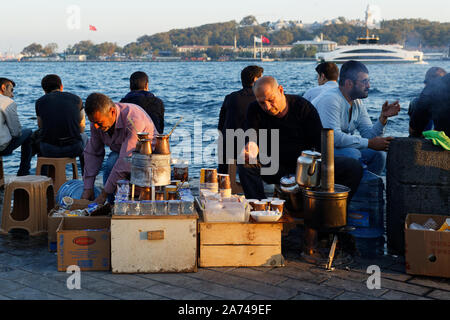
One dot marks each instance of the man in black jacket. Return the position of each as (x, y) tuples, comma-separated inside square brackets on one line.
[(433, 104), (296, 123), (140, 95), (234, 110)]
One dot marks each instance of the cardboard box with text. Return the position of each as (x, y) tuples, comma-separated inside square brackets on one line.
[(85, 243)]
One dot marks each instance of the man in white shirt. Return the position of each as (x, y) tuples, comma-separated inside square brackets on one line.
[(342, 110), (12, 135), (327, 76)]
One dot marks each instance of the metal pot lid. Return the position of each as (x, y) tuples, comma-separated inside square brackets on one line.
[(288, 181), (339, 191), (312, 154)]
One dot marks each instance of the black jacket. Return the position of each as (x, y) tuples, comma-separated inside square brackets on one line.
[(151, 104), (433, 104), (232, 116)]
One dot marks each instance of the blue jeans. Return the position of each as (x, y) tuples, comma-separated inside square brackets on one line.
[(69, 151), (26, 154), (375, 160), (107, 168)]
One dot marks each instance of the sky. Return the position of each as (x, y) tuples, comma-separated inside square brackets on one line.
[(66, 22)]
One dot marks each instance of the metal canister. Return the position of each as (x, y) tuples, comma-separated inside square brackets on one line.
[(145, 147), (150, 170), (141, 136), (324, 209), (291, 192), (162, 144), (308, 169)]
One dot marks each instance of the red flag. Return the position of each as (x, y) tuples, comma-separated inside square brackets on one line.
[(265, 40), (92, 28)]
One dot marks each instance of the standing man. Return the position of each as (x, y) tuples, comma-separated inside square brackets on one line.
[(327, 76), (342, 110), (298, 125), (61, 120), (234, 110), (114, 125), (140, 95), (12, 135)]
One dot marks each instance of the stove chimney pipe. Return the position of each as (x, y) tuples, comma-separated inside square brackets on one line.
[(327, 143)]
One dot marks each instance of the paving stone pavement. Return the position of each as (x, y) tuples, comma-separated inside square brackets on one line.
[(29, 271)]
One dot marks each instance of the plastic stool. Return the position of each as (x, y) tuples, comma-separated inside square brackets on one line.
[(2, 177), (58, 172), (33, 199)]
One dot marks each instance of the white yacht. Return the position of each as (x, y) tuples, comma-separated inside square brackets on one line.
[(368, 50)]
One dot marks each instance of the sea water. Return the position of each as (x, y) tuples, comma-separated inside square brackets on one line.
[(195, 90)]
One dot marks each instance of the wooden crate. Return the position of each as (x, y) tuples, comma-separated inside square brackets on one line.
[(240, 244), (153, 244)]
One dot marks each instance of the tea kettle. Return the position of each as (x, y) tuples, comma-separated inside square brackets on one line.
[(308, 169)]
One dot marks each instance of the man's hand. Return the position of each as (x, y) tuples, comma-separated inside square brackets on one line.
[(250, 153), (101, 199), (380, 143), (389, 110), (88, 194)]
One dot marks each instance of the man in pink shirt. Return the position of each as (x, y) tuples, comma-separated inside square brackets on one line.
[(114, 125)]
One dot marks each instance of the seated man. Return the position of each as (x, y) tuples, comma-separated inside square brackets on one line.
[(433, 104), (327, 76), (114, 125), (234, 110), (12, 135), (342, 110), (61, 120), (431, 76), (298, 125), (146, 100)]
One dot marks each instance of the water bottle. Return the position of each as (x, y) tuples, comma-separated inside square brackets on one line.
[(366, 214)]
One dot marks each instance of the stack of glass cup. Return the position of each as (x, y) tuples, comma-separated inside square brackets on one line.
[(121, 198), (123, 206)]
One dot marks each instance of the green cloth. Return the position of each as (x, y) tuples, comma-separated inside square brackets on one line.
[(438, 138)]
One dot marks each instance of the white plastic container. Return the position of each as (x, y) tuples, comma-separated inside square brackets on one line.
[(216, 211)]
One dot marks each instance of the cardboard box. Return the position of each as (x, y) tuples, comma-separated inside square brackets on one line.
[(54, 222), (427, 252), (84, 242)]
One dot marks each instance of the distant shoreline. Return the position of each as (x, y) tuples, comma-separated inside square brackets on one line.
[(243, 60)]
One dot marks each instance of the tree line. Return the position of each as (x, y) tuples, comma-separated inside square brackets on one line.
[(410, 32)]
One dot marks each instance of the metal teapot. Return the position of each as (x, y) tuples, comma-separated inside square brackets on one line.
[(308, 169)]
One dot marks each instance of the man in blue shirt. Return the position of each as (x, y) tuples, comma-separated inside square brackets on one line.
[(327, 76), (342, 110)]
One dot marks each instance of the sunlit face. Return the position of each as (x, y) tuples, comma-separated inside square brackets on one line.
[(361, 86), (8, 90), (103, 121), (271, 99)]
